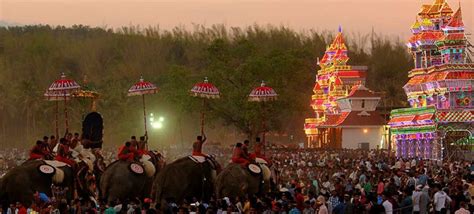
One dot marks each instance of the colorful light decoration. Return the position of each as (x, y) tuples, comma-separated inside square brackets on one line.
[(440, 85)]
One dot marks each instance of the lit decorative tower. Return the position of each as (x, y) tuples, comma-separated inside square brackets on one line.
[(334, 81), (440, 120)]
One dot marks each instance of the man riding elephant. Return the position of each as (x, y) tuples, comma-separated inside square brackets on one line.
[(126, 152), (64, 153), (238, 155), (127, 178), (242, 177), (22, 182), (197, 146), (196, 180), (186, 178), (38, 151), (258, 153), (142, 145)]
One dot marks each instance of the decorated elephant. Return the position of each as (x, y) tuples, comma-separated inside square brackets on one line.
[(186, 178), (124, 180), (22, 182), (236, 180)]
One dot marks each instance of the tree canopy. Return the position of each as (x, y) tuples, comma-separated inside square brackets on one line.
[(234, 59)]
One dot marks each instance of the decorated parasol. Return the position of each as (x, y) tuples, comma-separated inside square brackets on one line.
[(206, 91), (142, 88), (60, 90), (263, 94), (87, 92)]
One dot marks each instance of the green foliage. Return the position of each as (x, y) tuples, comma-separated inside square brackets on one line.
[(234, 59)]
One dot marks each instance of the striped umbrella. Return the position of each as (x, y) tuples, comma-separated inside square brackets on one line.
[(61, 89), (263, 94), (142, 88), (206, 91)]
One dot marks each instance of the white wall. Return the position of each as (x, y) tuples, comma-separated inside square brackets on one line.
[(351, 137), (369, 104)]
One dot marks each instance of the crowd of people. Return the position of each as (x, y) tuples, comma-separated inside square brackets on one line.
[(319, 181)]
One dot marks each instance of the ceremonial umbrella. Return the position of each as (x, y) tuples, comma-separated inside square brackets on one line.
[(263, 94), (206, 91), (87, 92), (142, 88), (61, 89)]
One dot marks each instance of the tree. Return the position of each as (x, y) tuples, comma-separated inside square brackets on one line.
[(235, 59)]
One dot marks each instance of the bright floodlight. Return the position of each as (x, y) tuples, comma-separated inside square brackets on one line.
[(162, 119), (157, 125)]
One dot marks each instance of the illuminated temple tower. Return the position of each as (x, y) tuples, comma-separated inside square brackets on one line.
[(439, 123), (345, 114)]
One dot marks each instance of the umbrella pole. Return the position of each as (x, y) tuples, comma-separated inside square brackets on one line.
[(144, 116), (56, 118), (93, 105), (202, 116), (65, 113), (264, 128)]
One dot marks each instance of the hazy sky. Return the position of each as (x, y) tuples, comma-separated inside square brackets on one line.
[(392, 17)]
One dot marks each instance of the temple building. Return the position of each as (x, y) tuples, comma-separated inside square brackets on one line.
[(439, 123), (345, 110)]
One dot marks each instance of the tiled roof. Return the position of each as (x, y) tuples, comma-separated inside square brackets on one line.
[(456, 19), (361, 91), (357, 118)]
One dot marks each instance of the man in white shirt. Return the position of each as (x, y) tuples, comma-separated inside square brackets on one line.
[(441, 199), (387, 205), (416, 199)]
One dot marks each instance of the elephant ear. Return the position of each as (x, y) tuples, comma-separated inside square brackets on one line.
[(254, 169), (149, 168), (46, 169), (267, 173), (136, 168), (58, 176)]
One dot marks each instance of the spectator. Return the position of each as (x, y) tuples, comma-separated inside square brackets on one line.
[(321, 203), (441, 200), (387, 205)]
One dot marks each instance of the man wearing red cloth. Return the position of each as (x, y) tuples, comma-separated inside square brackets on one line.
[(245, 149), (197, 146), (258, 151), (238, 155), (133, 143), (126, 152), (64, 153), (37, 152), (142, 146)]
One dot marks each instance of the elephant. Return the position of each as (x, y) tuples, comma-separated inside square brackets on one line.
[(120, 182), (186, 178), (238, 181), (22, 182)]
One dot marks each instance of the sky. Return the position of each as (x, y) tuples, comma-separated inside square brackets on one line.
[(390, 17)]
